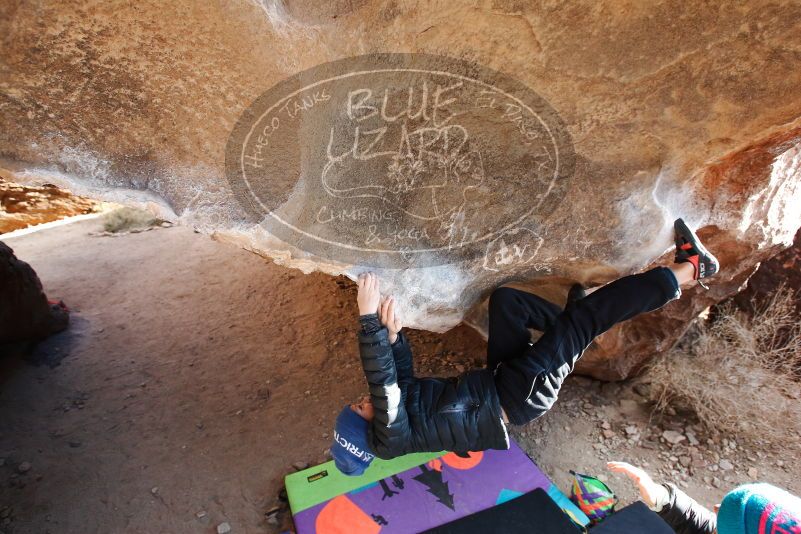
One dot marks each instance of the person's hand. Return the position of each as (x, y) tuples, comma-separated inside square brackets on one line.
[(389, 318), (650, 491), (368, 295)]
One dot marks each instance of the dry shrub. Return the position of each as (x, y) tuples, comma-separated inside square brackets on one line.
[(738, 372), (129, 219)]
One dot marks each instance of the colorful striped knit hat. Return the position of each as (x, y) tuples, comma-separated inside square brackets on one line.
[(593, 497), (759, 509)]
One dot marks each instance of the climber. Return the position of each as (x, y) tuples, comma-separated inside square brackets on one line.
[(404, 414), (751, 508)]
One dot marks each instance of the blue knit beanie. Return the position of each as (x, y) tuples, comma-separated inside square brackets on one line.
[(759, 509), (350, 450)]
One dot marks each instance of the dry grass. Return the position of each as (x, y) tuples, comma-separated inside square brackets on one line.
[(129, 219), (738, 372)]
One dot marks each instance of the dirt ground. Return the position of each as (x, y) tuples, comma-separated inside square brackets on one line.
[(195, 374)]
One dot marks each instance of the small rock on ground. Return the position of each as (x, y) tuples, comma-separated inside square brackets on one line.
[(300, 466), (673, 437), (725, 465)]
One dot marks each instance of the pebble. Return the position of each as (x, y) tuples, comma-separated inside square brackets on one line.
[(273, 511), (300, 466), (201, 514), (725, 465), (673, 437), (716, 482), (753, 472), (605, 425), (642, 389), (608, 434), (24, 467), (272, 515), (223, 528), (685, 461), (154, 490), (631, 430)]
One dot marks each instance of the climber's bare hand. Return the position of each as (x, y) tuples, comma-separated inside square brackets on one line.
[(389, 317), (368, 295), (649, 490)]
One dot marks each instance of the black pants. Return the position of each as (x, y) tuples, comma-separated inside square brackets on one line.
[(528, 377)]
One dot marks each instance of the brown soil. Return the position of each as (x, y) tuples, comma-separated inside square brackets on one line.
[(194, 374)]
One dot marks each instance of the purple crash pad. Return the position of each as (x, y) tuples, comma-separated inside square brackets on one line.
[(431, 494)]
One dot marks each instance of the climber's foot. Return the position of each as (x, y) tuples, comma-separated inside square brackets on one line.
[(689, 249)]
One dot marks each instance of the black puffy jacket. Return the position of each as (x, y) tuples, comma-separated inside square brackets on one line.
[(685, 515), (425, 414)]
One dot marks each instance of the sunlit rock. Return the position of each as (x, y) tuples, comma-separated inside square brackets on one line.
[(550, 145)]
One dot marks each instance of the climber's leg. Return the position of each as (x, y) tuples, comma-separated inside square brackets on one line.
[(528, 385), (511, 313)]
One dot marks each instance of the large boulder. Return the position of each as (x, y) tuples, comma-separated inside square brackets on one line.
[(779, 276), (26, 316), (554, 142)]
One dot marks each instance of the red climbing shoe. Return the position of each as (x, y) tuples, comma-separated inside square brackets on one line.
[(689, 249)]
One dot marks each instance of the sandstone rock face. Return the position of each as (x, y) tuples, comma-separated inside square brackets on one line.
[(780, 273), (451, 147)]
